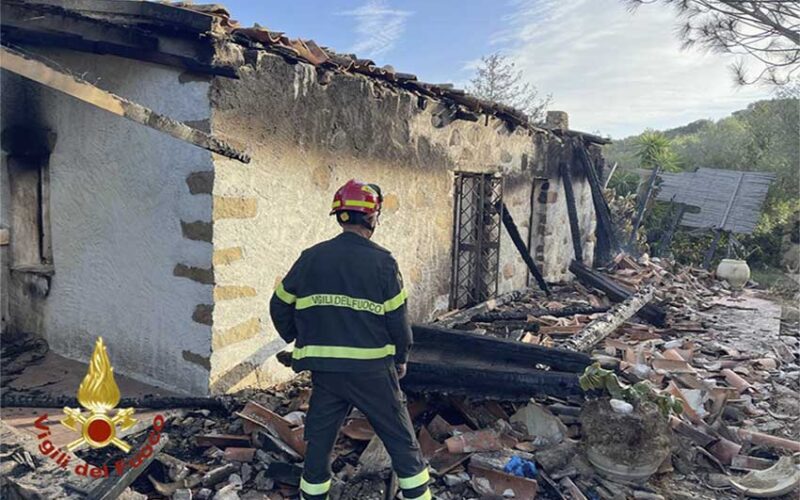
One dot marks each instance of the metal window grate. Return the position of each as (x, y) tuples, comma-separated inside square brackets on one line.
[(476, 238)]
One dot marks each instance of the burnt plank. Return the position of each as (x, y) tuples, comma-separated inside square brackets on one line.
[(572, 211), (56, 79), (615, 291), (519, 385), (522, 314), (513, 233), (464, 346)]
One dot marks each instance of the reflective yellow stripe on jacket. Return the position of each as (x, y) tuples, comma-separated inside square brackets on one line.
[(284, 295), (336, 300), (343, 352)]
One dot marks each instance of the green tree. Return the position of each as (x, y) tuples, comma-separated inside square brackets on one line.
[(497, 79)]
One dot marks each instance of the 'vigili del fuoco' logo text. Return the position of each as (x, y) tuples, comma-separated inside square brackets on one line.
[(98, 394)]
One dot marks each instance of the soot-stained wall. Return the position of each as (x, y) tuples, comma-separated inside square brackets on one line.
[(118, 194)]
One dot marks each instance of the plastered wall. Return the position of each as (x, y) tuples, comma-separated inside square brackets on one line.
[(118, 193)]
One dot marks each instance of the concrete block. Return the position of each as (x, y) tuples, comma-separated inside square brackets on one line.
[(193, 357), (508, 270), (198, 230), (200, 182), (238, 333), (203, 314), (225, 256), (231, 292), (230, 207), (198, 274)]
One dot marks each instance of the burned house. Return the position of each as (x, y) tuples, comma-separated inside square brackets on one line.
[(162, 168)]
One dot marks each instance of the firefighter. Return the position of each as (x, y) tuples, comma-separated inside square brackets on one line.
[(344, 306)]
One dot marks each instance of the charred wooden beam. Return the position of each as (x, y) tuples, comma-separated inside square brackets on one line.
[(712, 250), (49, 76), (514, 324), (607, 244), (572, 211), (434, 342), (458, 317), (603, 326), (525, 313), (170, 16), (642, 206), (23, 36), (522, 248), (113, 486), (615, 291), (504, 384), (17, 400), (666, 237), (54, 19)]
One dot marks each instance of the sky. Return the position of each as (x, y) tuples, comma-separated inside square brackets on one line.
[(615, 72)]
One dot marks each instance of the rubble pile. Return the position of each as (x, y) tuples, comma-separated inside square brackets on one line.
[(702, 405)]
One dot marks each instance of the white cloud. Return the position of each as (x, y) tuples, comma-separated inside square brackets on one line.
[(378, 27), (616, 71)]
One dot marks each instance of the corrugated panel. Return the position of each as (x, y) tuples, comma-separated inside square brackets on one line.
[(728, 199)]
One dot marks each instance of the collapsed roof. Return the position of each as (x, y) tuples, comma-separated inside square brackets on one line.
[(191, 36)]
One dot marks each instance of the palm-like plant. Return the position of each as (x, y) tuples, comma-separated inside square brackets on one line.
[(655, 149)]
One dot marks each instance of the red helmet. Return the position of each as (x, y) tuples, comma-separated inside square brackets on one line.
[(357, 196)]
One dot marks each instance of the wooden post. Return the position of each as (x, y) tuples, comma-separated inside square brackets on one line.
[(572, 210), (666, 237), (513, 232), (709, 257), (40, 72), (642, 206), (610, 175), (606, 240)]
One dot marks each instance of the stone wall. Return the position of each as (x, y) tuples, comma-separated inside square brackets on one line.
[(118, 195), (308, 134), (551, 240)]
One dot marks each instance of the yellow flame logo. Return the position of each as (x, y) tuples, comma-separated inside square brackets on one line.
[(98, 393)]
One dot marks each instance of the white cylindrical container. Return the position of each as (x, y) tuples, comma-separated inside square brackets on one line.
[(735, 272)]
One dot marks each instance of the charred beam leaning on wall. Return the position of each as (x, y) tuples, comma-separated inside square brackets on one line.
[(572, 210), (40, 72), (616, 292), (516, 238), (607, 245)]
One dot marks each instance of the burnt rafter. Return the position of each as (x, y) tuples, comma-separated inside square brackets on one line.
[(56, 25), (56, 79)]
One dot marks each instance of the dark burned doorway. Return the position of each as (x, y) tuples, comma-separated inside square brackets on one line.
[(476, 238)]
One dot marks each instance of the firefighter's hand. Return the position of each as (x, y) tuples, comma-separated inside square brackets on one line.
[(285, 358), (401, 370)]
